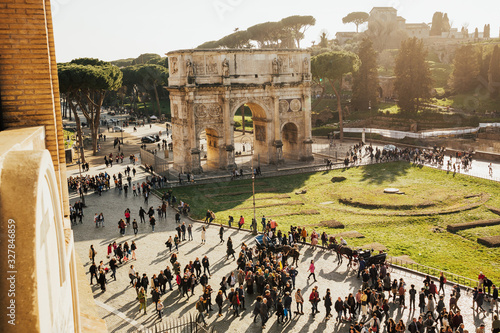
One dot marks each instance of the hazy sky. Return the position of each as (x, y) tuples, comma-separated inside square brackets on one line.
[(116, 29)]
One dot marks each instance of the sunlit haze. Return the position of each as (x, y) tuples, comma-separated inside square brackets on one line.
[(116, 29)]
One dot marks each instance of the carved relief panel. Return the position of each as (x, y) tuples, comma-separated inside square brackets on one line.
[(211, 66)]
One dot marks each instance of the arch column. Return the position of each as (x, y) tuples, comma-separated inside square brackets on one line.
[(306, 149)]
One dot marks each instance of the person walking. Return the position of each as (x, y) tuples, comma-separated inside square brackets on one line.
[(112, 266), (221, 234), (133, 247), (203, 235), (92, 253), (190, 232), (230, 250), (142, 213), (93, 273), (121, 226), (200, 307), (299, 299), (159, 308), (328, 304), (311, 270), (135, 227), (314, 299), (241, 222), (152, 222), (102, 280), (206, 265), (142, 299), (183, 230)]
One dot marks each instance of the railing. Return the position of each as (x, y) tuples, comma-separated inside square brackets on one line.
[(160, 165), (433, 272), (186, 324)]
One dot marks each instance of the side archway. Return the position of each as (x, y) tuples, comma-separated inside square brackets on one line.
[(290, 139)]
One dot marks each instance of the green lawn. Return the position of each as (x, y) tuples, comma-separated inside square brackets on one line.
[(382, 218)]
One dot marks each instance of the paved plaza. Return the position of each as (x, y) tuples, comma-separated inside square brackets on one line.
[(119, 307)]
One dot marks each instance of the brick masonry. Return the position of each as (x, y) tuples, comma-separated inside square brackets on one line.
[(28, 76)]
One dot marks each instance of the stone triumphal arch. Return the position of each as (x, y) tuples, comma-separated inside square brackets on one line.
[(207, 87)]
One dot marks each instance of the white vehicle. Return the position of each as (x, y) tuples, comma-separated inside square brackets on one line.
[(118, 129)]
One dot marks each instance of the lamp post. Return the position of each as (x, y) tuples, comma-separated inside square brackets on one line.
[(80, 171), (244, 141)]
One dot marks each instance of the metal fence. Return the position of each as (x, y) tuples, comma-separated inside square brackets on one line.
[(186, 324), (159, 164), (433, 272)]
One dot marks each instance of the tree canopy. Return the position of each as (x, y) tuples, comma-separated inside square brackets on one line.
[(494, 73), (286, 33), (332, 66), (413, 77), (365, 85), (465, 69), (148, 77), (357, 18), (298, 25), (86, 81)]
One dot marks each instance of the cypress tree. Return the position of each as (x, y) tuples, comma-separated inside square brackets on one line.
[(465, 69), (413, 76), (365, 85)]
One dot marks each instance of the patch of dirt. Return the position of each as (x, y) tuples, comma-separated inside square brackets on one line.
[(375, 246), (338, 179), (242, 185), (469, 225), (353, 203), (302, 212), (332, 224), (489, 241), (291, 203), (350, 234), (271, 189), (484, 198), (494, 210), (405, 259), (283, 196)]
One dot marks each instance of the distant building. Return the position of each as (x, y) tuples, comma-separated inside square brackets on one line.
[(419, 30), (343, 37)]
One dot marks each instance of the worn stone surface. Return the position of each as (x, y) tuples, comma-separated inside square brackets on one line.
[(207, 88), (153, 256)]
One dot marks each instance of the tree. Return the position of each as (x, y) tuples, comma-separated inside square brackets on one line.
[(323, 39), (145, 58), (494, 73), (86, 81), (446, 26), (385, 34), (332, 66), (357, 18), (413, 76), (297, 26), (437, 24), (148, 77), (236, 40), (209, 45), (365, 85), (476, 33), (465, 69), (486, 31)]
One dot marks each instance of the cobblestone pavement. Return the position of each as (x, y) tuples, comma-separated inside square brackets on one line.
[(119, 307)]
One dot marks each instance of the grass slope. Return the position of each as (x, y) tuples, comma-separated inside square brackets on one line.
[(414, 236)]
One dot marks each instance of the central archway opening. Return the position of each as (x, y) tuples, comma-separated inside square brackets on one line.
[(290, 139), (250, 135)]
